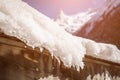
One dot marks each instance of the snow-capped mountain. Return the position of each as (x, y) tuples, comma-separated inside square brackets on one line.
[(71, 23), (104, 25)]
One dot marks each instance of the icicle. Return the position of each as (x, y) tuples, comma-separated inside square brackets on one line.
[(52, 55), (33, 47), (78, 68), (41, 49), (58, 60), (25, 46)]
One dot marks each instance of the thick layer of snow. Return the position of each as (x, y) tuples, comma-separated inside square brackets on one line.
[(103, 51), (71, 23), (37, 30)]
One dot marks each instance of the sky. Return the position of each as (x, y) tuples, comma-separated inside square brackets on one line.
[(51, 7)]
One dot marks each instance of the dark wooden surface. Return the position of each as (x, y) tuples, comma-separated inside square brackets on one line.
[(18, 62)]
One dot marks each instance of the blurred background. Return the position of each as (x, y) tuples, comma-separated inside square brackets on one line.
[(52, 7)]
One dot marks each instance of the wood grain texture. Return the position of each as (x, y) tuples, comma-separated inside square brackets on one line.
[(23, 63)]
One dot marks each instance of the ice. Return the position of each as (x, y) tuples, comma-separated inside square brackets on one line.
[(41, 49), (37, 30)]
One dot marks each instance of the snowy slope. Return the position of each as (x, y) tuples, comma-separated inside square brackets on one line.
[(71, 23), (106, 9), (104, 26), (37, 30)]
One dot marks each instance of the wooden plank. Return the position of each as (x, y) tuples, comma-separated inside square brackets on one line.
[(23, 63)]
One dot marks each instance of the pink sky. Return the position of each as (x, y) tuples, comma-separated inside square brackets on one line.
[(51, 7)]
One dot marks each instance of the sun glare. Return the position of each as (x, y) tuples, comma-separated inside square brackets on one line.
[(51, 7), (69, 1)]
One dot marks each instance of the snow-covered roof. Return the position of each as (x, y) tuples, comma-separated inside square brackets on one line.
[(20, 20), (71, 23), (37, 30)]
